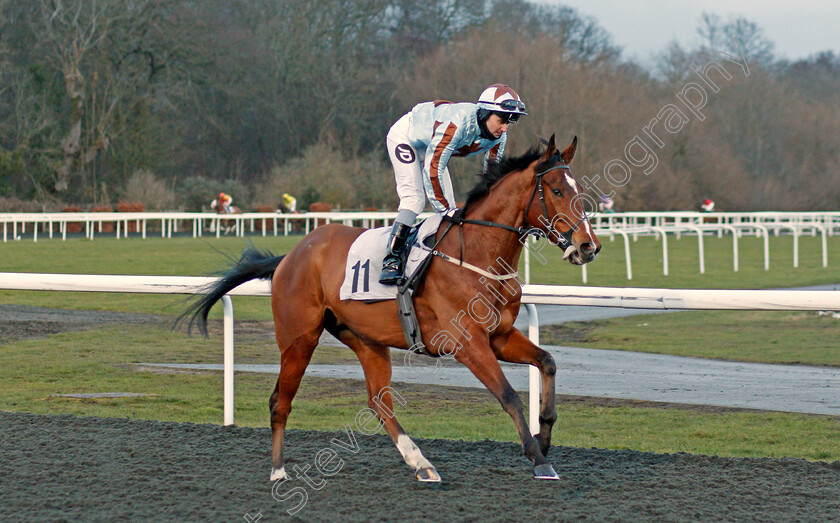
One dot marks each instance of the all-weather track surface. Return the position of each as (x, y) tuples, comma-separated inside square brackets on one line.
[(100, 469)]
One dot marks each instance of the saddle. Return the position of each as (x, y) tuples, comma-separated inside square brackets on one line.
[(364, 262)]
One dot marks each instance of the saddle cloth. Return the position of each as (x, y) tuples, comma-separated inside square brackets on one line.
[(364, 262)]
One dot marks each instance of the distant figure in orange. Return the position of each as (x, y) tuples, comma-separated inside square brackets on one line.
[(222, 205)]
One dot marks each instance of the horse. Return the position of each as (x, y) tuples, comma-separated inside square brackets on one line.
[(532, 193), (225, 226)]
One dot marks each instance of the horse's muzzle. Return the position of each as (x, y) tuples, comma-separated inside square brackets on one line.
[(584, 253)]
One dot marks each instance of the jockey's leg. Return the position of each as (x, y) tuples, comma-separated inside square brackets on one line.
[(394, 263), (408, 172)]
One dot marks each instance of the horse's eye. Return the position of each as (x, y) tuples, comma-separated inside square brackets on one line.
[(558, 192)]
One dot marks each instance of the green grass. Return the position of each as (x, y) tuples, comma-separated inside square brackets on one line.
[(99, 361), (754, 336), (610, 270)]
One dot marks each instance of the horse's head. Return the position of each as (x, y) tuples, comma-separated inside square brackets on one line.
[(556, 205)]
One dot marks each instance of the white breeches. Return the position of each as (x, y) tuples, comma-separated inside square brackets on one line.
[(408, 169)]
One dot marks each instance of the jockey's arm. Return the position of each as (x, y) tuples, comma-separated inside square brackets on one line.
[(440, 149)]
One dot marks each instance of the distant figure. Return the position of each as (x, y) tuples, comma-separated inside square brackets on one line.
[(606, 205), (222, 204), (289, 204), (707, 206)]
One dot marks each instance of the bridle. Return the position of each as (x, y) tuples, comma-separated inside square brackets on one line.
[(527, 229)]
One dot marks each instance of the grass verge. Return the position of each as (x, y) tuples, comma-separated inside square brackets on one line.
[(754, 336)]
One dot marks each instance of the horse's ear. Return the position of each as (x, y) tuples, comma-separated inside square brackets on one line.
[(569, 154), (550, 150)]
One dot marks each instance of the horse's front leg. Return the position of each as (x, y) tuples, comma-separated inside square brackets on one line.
[(514, 347), (477, 356)]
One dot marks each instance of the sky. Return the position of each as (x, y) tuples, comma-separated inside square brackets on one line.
[(644, 27)]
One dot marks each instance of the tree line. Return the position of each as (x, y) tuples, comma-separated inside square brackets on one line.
[(169, 102)]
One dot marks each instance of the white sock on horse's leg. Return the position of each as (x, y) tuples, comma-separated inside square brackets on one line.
[(279, 473), (423, 470), (411, 453)]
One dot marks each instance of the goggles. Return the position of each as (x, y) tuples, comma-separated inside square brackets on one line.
[(512, 105)]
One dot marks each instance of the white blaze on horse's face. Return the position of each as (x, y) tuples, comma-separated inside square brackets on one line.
[(571, 181), (587, 228)]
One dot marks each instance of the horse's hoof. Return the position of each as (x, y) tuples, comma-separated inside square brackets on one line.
[(279, 473), (545, 471), (427, 475)]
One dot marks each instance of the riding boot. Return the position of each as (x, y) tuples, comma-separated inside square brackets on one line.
[(394, 264)]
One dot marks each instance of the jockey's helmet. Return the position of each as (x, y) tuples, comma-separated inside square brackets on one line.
[(500, 98)]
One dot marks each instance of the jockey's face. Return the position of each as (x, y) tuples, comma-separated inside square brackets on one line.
[(496, 125)]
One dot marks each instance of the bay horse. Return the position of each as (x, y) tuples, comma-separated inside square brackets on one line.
[(494, 223)]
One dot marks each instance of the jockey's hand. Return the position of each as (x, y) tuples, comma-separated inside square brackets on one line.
[(451, 213)]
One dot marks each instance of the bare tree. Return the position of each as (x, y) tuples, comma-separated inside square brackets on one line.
[(70, 30), (106, 53), (736, 36)]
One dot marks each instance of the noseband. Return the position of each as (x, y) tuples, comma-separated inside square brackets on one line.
[(565, 237)]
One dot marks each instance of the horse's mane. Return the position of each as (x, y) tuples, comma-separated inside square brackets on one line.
[(495, 171)]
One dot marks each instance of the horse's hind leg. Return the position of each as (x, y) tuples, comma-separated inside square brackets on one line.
[(293, 362), (376, 363), (514, 347)]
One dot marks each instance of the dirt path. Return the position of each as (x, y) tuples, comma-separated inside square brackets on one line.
[(93, 469)]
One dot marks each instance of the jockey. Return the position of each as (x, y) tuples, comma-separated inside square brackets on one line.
[(607, 205), (289, 202), (420, 145), (226, 200), (707, 206)]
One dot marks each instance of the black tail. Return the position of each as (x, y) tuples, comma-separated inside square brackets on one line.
[(253, 265)]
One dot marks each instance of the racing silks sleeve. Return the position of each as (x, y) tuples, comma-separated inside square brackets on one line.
[(445, 139)]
